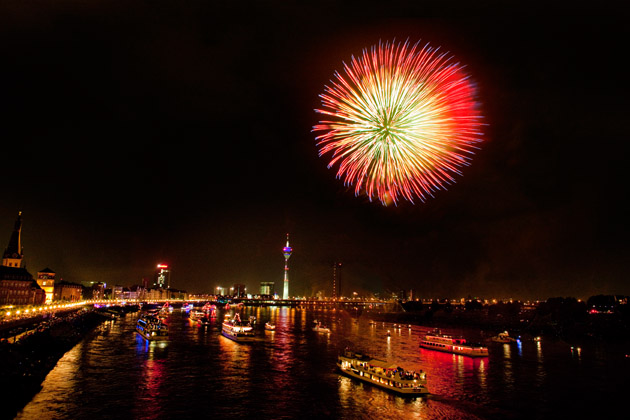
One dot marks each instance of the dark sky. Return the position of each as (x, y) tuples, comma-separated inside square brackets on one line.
[(180, 132)]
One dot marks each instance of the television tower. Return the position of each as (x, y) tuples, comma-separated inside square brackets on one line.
[(286, 251), (336, 280)]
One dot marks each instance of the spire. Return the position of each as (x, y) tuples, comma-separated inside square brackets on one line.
[(13, 254)]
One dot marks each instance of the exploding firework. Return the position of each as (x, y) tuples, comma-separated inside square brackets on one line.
[(403, 120)]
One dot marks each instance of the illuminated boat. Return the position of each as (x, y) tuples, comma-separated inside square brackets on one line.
[(435, 340), (270, 326), (152, 328), (503, 337), (321, 329), (382, 374), (237, 330), (199, 317)]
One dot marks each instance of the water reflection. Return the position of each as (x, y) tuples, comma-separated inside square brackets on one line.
[(150, 391), (380, 404), (508, 375), (451, 374), (64, 378), (292, 374), (153, 350)]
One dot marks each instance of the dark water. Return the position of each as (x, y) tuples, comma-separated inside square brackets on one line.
[(290, 373)]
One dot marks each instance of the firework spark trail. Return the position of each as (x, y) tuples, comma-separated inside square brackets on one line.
[(403, 120)]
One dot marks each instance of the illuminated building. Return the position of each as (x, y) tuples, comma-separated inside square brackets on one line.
[(17, 286), (93, 289), (336, 280), (117, 292), (68, 292), (46, 280), (267, 288), (98, 290), (286, 251), (240, 290), (163, 276)]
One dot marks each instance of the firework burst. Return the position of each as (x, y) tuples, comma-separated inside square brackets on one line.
[(402, 121)]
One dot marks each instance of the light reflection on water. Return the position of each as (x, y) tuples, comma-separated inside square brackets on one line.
[(290, 373)]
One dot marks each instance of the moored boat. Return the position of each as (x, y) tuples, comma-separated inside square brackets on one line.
[(435, 340), (237, 330), (503, 337), (383, 374), (269, 326), (152, 328)]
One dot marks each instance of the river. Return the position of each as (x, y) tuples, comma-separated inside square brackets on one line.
[(290, 373)]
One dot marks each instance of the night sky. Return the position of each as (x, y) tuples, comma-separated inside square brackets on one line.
[(180, 132)]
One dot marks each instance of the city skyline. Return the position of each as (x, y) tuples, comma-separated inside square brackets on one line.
[(135, 136)]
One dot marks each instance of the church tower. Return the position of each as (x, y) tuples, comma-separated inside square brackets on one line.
[(14, 255)]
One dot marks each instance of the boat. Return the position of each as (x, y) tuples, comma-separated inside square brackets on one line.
[(435, 340), (208, 307), (503, 337), (152, 328), (269, 326), (199, 317), (382, 374), (321, 329), (237, 330)]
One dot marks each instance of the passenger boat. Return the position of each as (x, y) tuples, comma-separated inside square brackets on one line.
[(321, 329), (435, 340), (199, 317), (503, 337), (269, 326), (237, 330), (152, 328), (382, 374)]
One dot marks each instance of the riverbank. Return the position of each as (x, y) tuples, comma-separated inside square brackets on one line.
[(590, 327), (25, 364)]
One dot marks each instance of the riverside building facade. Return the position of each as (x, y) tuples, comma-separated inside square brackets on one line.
[(17, 286)]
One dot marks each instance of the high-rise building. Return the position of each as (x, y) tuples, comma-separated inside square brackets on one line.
[(240, 290), (267, 288), (336, 292), (286, 251), (163, 276)]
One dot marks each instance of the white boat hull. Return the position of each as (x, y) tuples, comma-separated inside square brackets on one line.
[(375, 380), (236, 337), (464, 351)]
